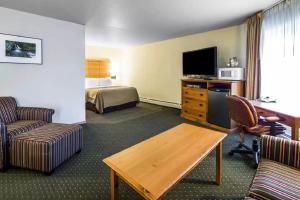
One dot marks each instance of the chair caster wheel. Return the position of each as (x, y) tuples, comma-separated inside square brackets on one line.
[(230, 153)]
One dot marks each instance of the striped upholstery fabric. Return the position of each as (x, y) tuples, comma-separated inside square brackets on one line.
[(28, 113), (281, 150), (4, 148), (8, 106), (23, 126), (2, 138), (46, 147), (276, 181)]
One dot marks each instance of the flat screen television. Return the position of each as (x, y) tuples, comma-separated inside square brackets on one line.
[(201, 62)]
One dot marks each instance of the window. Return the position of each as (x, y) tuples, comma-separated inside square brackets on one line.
[(280, 52)]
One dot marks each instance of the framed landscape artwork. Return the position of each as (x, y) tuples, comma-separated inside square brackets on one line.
[(18, 49)]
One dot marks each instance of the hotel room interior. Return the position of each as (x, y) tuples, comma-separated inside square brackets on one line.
[(136, 99)]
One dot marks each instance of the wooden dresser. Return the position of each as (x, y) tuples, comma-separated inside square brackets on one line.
[(195, 100), (194, 104)]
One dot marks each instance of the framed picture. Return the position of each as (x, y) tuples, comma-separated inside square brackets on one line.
[(18, 49)]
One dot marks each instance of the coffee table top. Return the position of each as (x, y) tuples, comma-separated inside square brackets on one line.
[(153, 166)]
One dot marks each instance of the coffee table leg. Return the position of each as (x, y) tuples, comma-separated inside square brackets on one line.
[(114, 185), (219, 163)]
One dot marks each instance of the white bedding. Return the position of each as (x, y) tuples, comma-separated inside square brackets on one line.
[(97, 82)]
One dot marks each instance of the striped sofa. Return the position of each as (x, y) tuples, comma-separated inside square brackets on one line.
[(29, 139), (278, 174)]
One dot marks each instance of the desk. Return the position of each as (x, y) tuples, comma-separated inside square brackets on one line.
[(154, 166), (290, 115)]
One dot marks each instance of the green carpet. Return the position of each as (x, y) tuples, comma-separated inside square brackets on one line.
[(84, 176)]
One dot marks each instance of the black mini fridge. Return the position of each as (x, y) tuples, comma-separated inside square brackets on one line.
[(218, 113)]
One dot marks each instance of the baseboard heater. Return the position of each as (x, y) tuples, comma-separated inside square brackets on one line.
[(160, 102)]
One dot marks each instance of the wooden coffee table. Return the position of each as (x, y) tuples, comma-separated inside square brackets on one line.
[(154, 166)]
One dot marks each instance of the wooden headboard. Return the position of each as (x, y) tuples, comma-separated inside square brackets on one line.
[(97, 68)]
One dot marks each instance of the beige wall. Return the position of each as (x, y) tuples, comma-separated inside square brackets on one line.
[(95, 52), (115, 55), (156, 69)]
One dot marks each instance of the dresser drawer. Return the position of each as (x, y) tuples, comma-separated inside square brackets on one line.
[(195, 104), (195, 93), (191, 113)]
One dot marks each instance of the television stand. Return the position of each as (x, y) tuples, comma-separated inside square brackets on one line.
[(198, 77), (195, 99)]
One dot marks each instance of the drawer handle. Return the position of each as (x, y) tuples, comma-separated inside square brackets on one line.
[(186, 111), (186, 93), (201, 95), (200, 104), (200, 115), (186, 102)]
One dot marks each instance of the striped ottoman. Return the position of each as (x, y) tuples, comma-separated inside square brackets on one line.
[(46, 147)]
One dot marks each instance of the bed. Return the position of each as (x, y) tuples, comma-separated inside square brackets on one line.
[(101, 93), (111, 98)]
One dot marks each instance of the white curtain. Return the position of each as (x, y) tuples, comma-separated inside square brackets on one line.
[(280, 52)]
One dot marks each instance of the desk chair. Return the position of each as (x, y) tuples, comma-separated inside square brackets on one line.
[(244, 114)]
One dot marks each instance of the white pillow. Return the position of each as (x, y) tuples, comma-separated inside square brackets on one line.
[(91, 82), (105, 82), (97, 82)]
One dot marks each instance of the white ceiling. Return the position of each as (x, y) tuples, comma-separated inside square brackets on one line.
[(132, 22)]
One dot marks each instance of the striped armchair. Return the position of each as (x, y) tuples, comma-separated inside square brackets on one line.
[(4, 160), (16, 120), (30, 140), (29, 113), (278, 174)]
